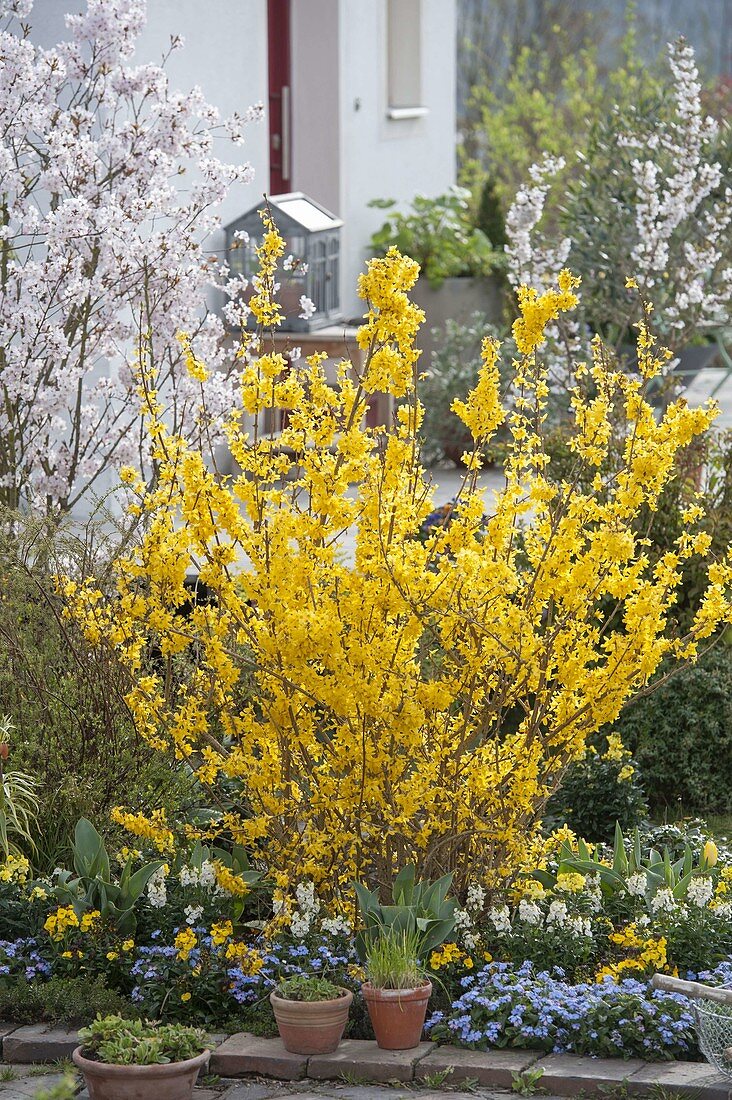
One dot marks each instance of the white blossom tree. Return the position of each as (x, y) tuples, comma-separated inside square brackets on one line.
[(653, 201), (108, 190)]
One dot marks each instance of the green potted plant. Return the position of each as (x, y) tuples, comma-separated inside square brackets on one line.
[(394, 939), (397, 990), (311, 1013), (459, 265), (126, 1059)]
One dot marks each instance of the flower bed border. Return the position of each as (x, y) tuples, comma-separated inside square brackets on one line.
[(242, 1055)]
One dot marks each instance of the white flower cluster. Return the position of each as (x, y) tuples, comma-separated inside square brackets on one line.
[(678, 220), (308, 907), (336, 926), (700, 891), (559, 915), (527, 264), (663, 901), (529, 912), (307, 307), (637, 884), (291, 263), (157, 893), (664, 205), (465, 919), (205, 875), (193, 913), (500, 917)]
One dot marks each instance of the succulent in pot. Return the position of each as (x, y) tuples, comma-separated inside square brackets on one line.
[(394, 938), (131, 1059), (311, 1013)]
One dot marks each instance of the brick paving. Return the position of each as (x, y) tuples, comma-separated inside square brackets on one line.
[(358, 1070)]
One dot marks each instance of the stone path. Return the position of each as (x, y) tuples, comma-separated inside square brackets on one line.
[(358, 1070), (716, 383)]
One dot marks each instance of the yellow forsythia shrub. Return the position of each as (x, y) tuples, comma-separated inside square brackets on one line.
[(421, 704)]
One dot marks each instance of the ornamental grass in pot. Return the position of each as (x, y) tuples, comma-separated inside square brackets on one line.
[(394, 938), (311, 1014), (397, 990), (139, 1059)]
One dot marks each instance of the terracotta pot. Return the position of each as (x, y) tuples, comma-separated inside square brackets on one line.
[(173, 1081), (311, 1027), (397, 1015)]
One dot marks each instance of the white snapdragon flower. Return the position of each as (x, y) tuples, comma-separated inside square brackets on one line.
[(500, 918), (464, 929), (336, 926), (207, 874), (663, 901), (300, 924), (579, 926), (529, 912), (188, 876), (306, 899), (557, 913), (193, 913), (475, 899), (157, 893), (700, 891), (637, 884)]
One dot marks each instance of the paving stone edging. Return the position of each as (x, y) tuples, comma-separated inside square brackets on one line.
[(243, 1054)]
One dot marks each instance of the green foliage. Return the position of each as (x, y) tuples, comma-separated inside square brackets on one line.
[(419, 909), (18, 804), (489, 215), (308, 988), (92, 888), (121, 1042), (69, 1001), (628, 859), (593, 797), (544, 108), (72, 730), (439, 234), (696, 939), (681, 736), (64, 1090), (527, 1082), (392, 959)]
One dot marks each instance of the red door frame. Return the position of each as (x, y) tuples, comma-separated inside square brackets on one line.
[(280, 121)]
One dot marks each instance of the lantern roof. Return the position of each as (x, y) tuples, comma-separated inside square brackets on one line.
[(297, 209)]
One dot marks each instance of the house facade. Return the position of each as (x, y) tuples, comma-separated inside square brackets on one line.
[(359, 97)]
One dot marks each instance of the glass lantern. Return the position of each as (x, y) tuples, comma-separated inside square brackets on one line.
[(312, 238)]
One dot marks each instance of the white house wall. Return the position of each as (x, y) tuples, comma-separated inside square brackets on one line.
[(316, 127), (383, 157), (226, 56)]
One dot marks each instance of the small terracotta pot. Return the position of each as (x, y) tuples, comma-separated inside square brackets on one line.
[(311, 1027), (173, 1081), (397, 1015)]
